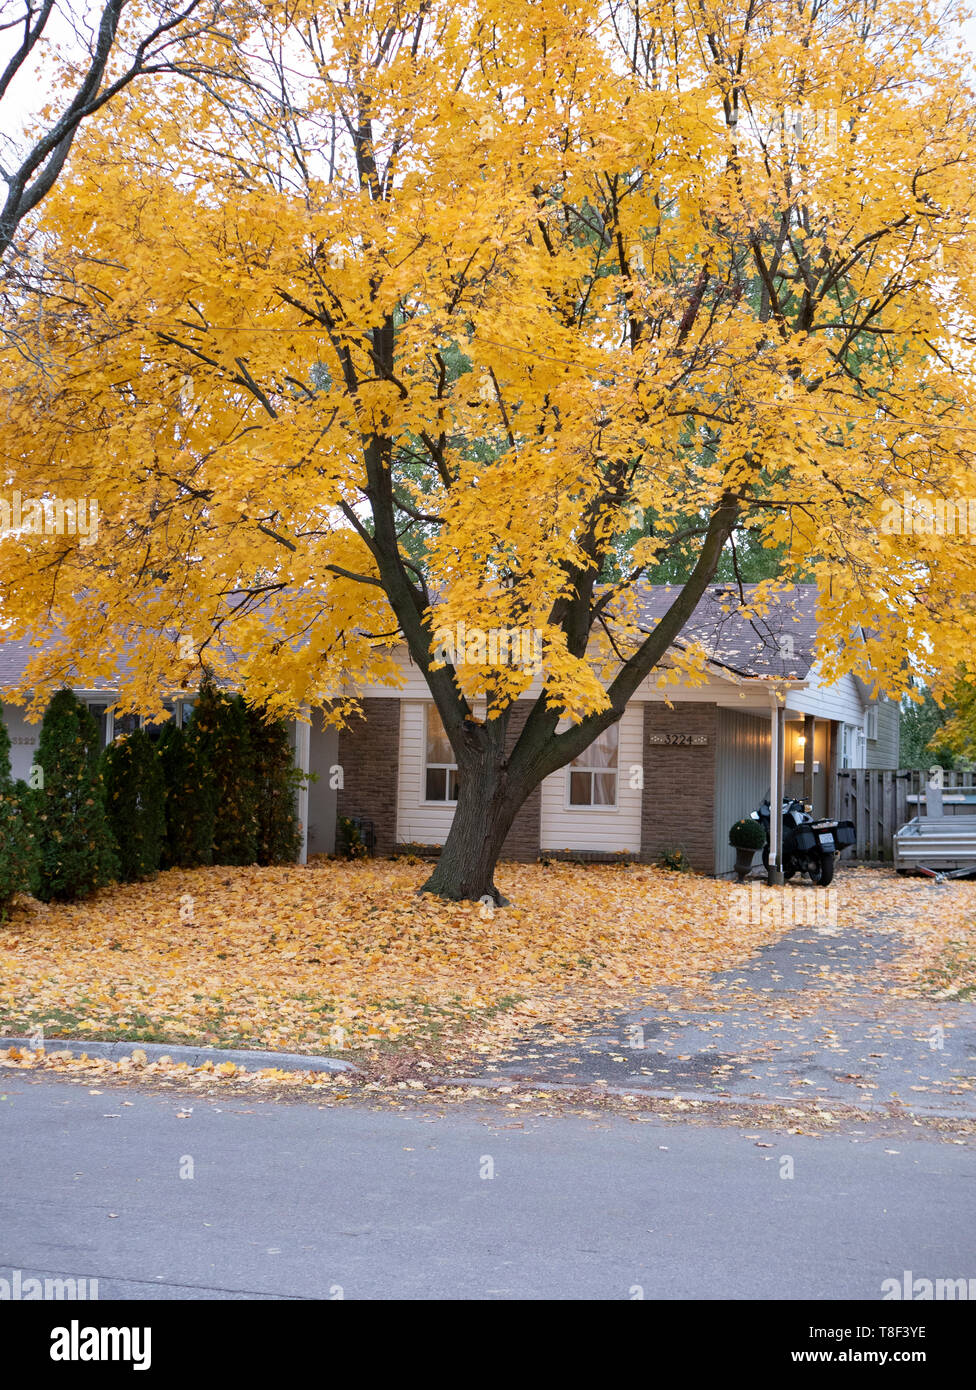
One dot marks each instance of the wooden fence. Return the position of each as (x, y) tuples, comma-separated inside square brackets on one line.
[(878, 802)]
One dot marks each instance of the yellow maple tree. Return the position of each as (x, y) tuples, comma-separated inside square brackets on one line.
[(403, 316)]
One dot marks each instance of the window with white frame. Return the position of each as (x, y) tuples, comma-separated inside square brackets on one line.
[(128, 723), (440, 767), (155, 729), (871, 721), (99, 712), (593, 775), (852, 747)]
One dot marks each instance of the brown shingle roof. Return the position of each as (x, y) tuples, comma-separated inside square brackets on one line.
[(779, 644)]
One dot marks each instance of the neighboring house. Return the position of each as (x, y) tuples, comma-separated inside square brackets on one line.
[(682, 764)]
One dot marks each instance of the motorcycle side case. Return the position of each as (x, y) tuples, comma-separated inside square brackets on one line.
[(845, 834), (804, 839)]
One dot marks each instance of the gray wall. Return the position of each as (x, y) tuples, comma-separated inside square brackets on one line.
[(323, 753), (884, 751), (741, 776), (821, 754)]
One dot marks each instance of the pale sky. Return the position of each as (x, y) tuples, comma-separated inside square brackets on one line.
[(74, 18), (29, 89)]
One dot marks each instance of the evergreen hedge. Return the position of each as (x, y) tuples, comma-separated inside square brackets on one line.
[(135, 796), (277, 781), (222, 726), (17, 847), (190, 799), (75, 848), (222, 790)]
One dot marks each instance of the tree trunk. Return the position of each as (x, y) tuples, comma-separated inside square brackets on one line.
[(486, 807)]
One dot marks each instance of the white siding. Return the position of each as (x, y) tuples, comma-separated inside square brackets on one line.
[(412, 686), (841, 701), (417, 821), (712, 689), (24, 736), (594, 828)]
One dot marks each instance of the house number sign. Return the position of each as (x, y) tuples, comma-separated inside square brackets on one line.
[(679, 740)]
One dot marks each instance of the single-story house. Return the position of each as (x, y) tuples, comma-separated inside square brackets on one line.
[(683, 763)]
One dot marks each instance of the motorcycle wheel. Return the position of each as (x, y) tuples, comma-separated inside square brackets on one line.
[(823, 871)]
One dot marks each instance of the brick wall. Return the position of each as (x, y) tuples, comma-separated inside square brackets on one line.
[(523, 840), (369, 755), (678, 801)]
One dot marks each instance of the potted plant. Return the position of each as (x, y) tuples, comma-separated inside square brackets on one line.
[(745, 837)]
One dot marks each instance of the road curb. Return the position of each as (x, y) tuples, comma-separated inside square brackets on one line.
[(294, 1061), (888, 1109), (194, 1056)]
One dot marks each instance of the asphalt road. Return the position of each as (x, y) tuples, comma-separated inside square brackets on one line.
[(291, 1200)]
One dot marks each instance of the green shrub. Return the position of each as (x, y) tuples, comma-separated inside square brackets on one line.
[(17, 846), (135, 800), (190, 799), (747, 834), (75, 849), (16, 851), (349, 842), (221, 725), (676, 859), (277, 780)]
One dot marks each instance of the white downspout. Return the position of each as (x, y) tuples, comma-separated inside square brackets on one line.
[(777, 721), (302, 747)]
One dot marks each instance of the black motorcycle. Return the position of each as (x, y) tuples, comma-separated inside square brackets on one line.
[(809, 845)]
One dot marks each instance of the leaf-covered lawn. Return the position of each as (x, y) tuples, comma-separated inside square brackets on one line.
[(281, 958)]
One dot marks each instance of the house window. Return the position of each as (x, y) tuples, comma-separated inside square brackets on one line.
[(155, 730), (128, 723), (440, 767), (593, 775), (851, 746), (871, 722), (99, 713)]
